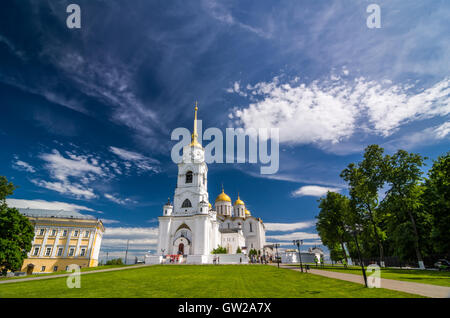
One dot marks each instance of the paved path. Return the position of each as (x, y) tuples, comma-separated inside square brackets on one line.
[(18, 280), (427, 290)]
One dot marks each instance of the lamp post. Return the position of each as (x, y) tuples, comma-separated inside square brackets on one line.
[(276, 247), (354, 231), (299, 243)]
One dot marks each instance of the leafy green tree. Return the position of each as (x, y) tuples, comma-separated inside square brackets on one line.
[(403, 175), (437, 200), (365, 180), (115, 261), (16, 232), (6, 189), (219, 250), (238, 251), (331, 222)]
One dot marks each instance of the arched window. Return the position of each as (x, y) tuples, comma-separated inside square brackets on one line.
[(189, 177), (251, 230), (186, 204)]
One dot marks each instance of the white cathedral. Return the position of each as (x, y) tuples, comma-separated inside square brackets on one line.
[(191, 227)]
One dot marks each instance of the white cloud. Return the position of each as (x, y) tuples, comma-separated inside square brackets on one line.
[(331, 111), (109, 221), (46, 205), (289, 243), (24, 166), (427, 136), (293, 236), (314, 191), (117, 200), (284, 227), (76, 190), (140, 161)]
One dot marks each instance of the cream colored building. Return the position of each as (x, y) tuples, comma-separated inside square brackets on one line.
[(62, 238)]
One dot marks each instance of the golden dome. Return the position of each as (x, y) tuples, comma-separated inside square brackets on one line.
[(210, 206), (239, 201), (223, 197), (247, 212)]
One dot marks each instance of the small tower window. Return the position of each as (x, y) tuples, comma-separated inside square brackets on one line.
[(186, 204), (251, 229), (189, 177)]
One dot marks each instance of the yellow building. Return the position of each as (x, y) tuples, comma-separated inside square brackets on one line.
[(62, 238)]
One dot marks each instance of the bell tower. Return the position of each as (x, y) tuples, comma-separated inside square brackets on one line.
[(192, 177)]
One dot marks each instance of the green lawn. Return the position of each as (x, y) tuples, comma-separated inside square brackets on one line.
[(408, 275), (209, 281), (83, 269)]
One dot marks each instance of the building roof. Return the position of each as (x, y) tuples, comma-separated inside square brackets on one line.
[(54, 214)]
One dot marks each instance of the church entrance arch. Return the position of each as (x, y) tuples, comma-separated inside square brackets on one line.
[(182, 240)]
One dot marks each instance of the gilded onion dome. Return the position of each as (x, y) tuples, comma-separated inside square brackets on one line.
[(247, 212), (223, 197), (239, 201), (210, 206)]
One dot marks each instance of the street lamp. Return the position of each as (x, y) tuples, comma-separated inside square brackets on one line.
[(354, 231), (299, 243), (276, 247)]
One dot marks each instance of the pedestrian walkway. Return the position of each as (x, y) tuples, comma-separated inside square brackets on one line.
[(18, 280), (426, 290)]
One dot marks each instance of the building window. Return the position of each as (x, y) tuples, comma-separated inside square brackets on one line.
[(43, 269), (60, 251), (186, 204), (53, 232), (86, 234), (71, 251), (42, 231), (75, 233), (55, 268), (65, 233), (189, 177), (83, 252), (251, 229), (36, 251), (48, 251)]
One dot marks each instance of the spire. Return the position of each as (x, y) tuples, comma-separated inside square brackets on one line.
[(194, 141)]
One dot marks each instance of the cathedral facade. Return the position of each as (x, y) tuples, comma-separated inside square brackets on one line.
[(192, 227)]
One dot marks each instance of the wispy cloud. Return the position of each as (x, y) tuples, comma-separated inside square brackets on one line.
[(47, 205), (293, 236), (116, 199), (140, 161), (22, 165), (285, 227)]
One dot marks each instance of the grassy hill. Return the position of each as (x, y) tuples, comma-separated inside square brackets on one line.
[(184, 281)]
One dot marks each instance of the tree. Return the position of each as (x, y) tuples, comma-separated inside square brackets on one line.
[(115, 261), (16, 232), (6, 189), (238, 251), (219, 250), (403, 175), (331, 221), (437, 200), (365, 180)]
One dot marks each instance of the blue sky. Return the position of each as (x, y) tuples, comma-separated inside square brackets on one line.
[(86, 114)]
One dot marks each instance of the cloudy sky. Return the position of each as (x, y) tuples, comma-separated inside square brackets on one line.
[(87, 114)]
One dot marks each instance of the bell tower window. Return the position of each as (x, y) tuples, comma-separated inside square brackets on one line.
[(186, 204), (189, 177)]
